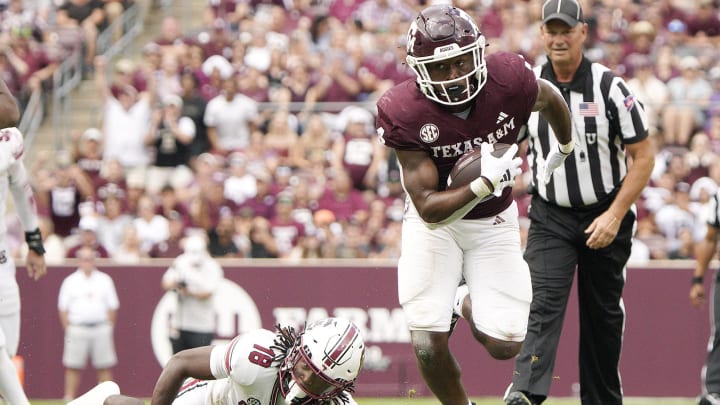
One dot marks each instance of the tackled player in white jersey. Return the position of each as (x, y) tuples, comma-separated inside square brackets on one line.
[(14, 179), (318, 366)]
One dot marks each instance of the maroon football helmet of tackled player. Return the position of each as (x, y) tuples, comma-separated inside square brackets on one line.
[(444, 32)]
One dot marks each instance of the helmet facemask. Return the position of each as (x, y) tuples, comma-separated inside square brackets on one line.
[(441, 90), (296, 392), (333, 349)]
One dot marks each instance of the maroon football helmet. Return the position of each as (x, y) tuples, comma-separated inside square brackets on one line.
[(443, 32)]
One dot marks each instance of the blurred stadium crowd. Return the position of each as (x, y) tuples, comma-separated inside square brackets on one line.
[(258, 130)]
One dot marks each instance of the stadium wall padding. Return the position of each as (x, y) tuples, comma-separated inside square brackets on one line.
[(664, 345)]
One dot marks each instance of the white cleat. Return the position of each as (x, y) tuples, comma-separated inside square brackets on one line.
[(97, 395)]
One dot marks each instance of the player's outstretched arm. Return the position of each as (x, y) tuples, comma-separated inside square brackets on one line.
[(11, 151), (551, 104), (553, 108), (191, 363)]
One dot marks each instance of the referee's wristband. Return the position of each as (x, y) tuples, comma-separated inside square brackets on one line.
[(567, 148), (697, 280)]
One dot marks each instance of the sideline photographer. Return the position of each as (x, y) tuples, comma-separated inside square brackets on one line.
[(195, 277)]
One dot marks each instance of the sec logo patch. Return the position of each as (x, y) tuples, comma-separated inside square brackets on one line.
[(429, 133)]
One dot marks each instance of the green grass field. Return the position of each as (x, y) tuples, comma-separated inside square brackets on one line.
[(478, 401)]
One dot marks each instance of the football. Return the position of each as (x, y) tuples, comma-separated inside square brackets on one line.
[(467, 168)]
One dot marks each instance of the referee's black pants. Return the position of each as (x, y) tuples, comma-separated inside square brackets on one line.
[(555, 249), (189, 340)]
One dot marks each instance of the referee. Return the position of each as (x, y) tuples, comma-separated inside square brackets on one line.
[(706, 249), (581, 215)]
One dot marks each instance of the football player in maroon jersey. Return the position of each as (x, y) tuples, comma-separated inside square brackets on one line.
[(461, 100)]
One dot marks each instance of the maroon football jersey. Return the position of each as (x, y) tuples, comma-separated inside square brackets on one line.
[(407, 120)]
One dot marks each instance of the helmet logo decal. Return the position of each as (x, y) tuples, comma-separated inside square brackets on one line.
[(336, 353), (411, 37), (429, 133)]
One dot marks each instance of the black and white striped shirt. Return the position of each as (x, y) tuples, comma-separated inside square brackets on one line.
[(605, 117)]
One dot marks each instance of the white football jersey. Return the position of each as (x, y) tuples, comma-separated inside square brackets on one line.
[(245, 375), (244, 371)]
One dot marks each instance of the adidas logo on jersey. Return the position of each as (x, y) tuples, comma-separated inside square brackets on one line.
[(498, 220), (501, 117)]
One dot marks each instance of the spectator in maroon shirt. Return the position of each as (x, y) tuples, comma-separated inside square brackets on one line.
[(491, 20), (254, 83), (340, 197), (172, 247), (334, 83), (642, 38), (87, 229), (262, 205), (221, 9), (61, 193), (170, 33), (640, 44), (357, 149), (383, 70), (669, 12), (170, 204), (113, 181), (705, 24), (297, 79), (33, 60), (8, 70), (213, 201), (286, 231), (344, 10), (87, 154), (219, 40)]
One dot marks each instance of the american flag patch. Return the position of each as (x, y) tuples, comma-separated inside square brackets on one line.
[(588, 109), (629, 102)]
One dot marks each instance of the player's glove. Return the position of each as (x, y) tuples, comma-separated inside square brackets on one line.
[(556, 157), (497, 172), (507, 180)]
